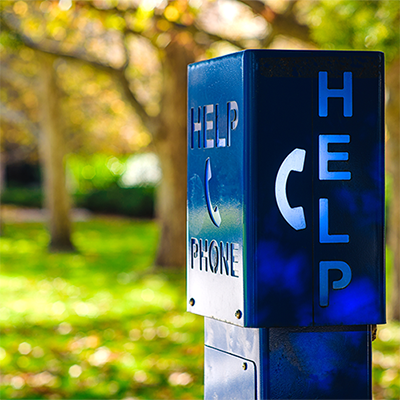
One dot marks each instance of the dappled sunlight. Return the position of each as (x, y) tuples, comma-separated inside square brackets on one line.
[(100, 324), (386, 361), (96, 323)]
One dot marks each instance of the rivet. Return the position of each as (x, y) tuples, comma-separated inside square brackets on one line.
[(238, 314), (191, 301), (244, 366)]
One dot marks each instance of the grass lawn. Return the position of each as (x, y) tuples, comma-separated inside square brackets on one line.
[(386, 352), (97, 324), (102, 324)]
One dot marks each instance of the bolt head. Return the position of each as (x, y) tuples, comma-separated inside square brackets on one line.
[(191, 301), (238, 314), (244, 366)]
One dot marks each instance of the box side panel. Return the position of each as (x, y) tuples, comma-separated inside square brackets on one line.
[(320, 188), (349, 285), (216, 117)]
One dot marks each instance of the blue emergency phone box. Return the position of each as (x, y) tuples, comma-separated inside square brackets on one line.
[(286, 188)]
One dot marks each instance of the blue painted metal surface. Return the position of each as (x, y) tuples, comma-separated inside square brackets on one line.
[(290, 363), (216, 186), (286, 188)]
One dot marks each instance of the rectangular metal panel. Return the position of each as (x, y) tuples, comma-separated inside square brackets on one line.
[(228, 377), (246, 343), (324, 363), (330, 270), (215, 274), (243, 342)]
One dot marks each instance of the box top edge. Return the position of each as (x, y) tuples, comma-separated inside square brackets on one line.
[(282, 52)]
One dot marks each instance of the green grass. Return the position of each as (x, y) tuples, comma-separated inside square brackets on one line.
[(101, 323), (97, 324), (386, 362), (386, 351)]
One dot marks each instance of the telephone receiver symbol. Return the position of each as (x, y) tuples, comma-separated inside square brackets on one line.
[(293, 162), (213, 211)]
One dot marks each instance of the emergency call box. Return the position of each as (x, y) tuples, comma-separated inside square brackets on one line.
[(285, 197)]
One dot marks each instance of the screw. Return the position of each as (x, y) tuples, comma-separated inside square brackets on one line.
[(244, 366), (191, 301), (238, 314)]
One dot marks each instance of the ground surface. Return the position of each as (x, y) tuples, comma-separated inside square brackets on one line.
[(102, 323)]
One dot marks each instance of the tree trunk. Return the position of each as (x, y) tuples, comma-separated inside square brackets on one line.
[(2, 186), (52, 150), (393, 167), (170, 142)]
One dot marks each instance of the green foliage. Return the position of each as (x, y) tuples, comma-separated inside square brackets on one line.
[(98, 171), (134, 202), (25, 197), (386, 350), (360, 25), (386, 362), (97, 324), (10, 40)]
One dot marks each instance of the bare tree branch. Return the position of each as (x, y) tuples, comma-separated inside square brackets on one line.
[(52, 47), (148, 121), (281, 24), (192, 28), (257, 6)]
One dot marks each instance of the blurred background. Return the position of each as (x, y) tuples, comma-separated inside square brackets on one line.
[(93, 184)]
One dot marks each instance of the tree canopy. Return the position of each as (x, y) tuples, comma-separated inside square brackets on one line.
[(367, 25), (121, 68)]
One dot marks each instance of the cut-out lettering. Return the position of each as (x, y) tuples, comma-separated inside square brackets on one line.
[(212, 211), (346, 93), (293, 162), (343, 282), (325, 156)]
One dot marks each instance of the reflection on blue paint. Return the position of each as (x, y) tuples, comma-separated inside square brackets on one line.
[(281, 269), (358, 303), (367, 204), (347, 199), (287, 275), (324, 236), (370, 203), (376, 165)]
